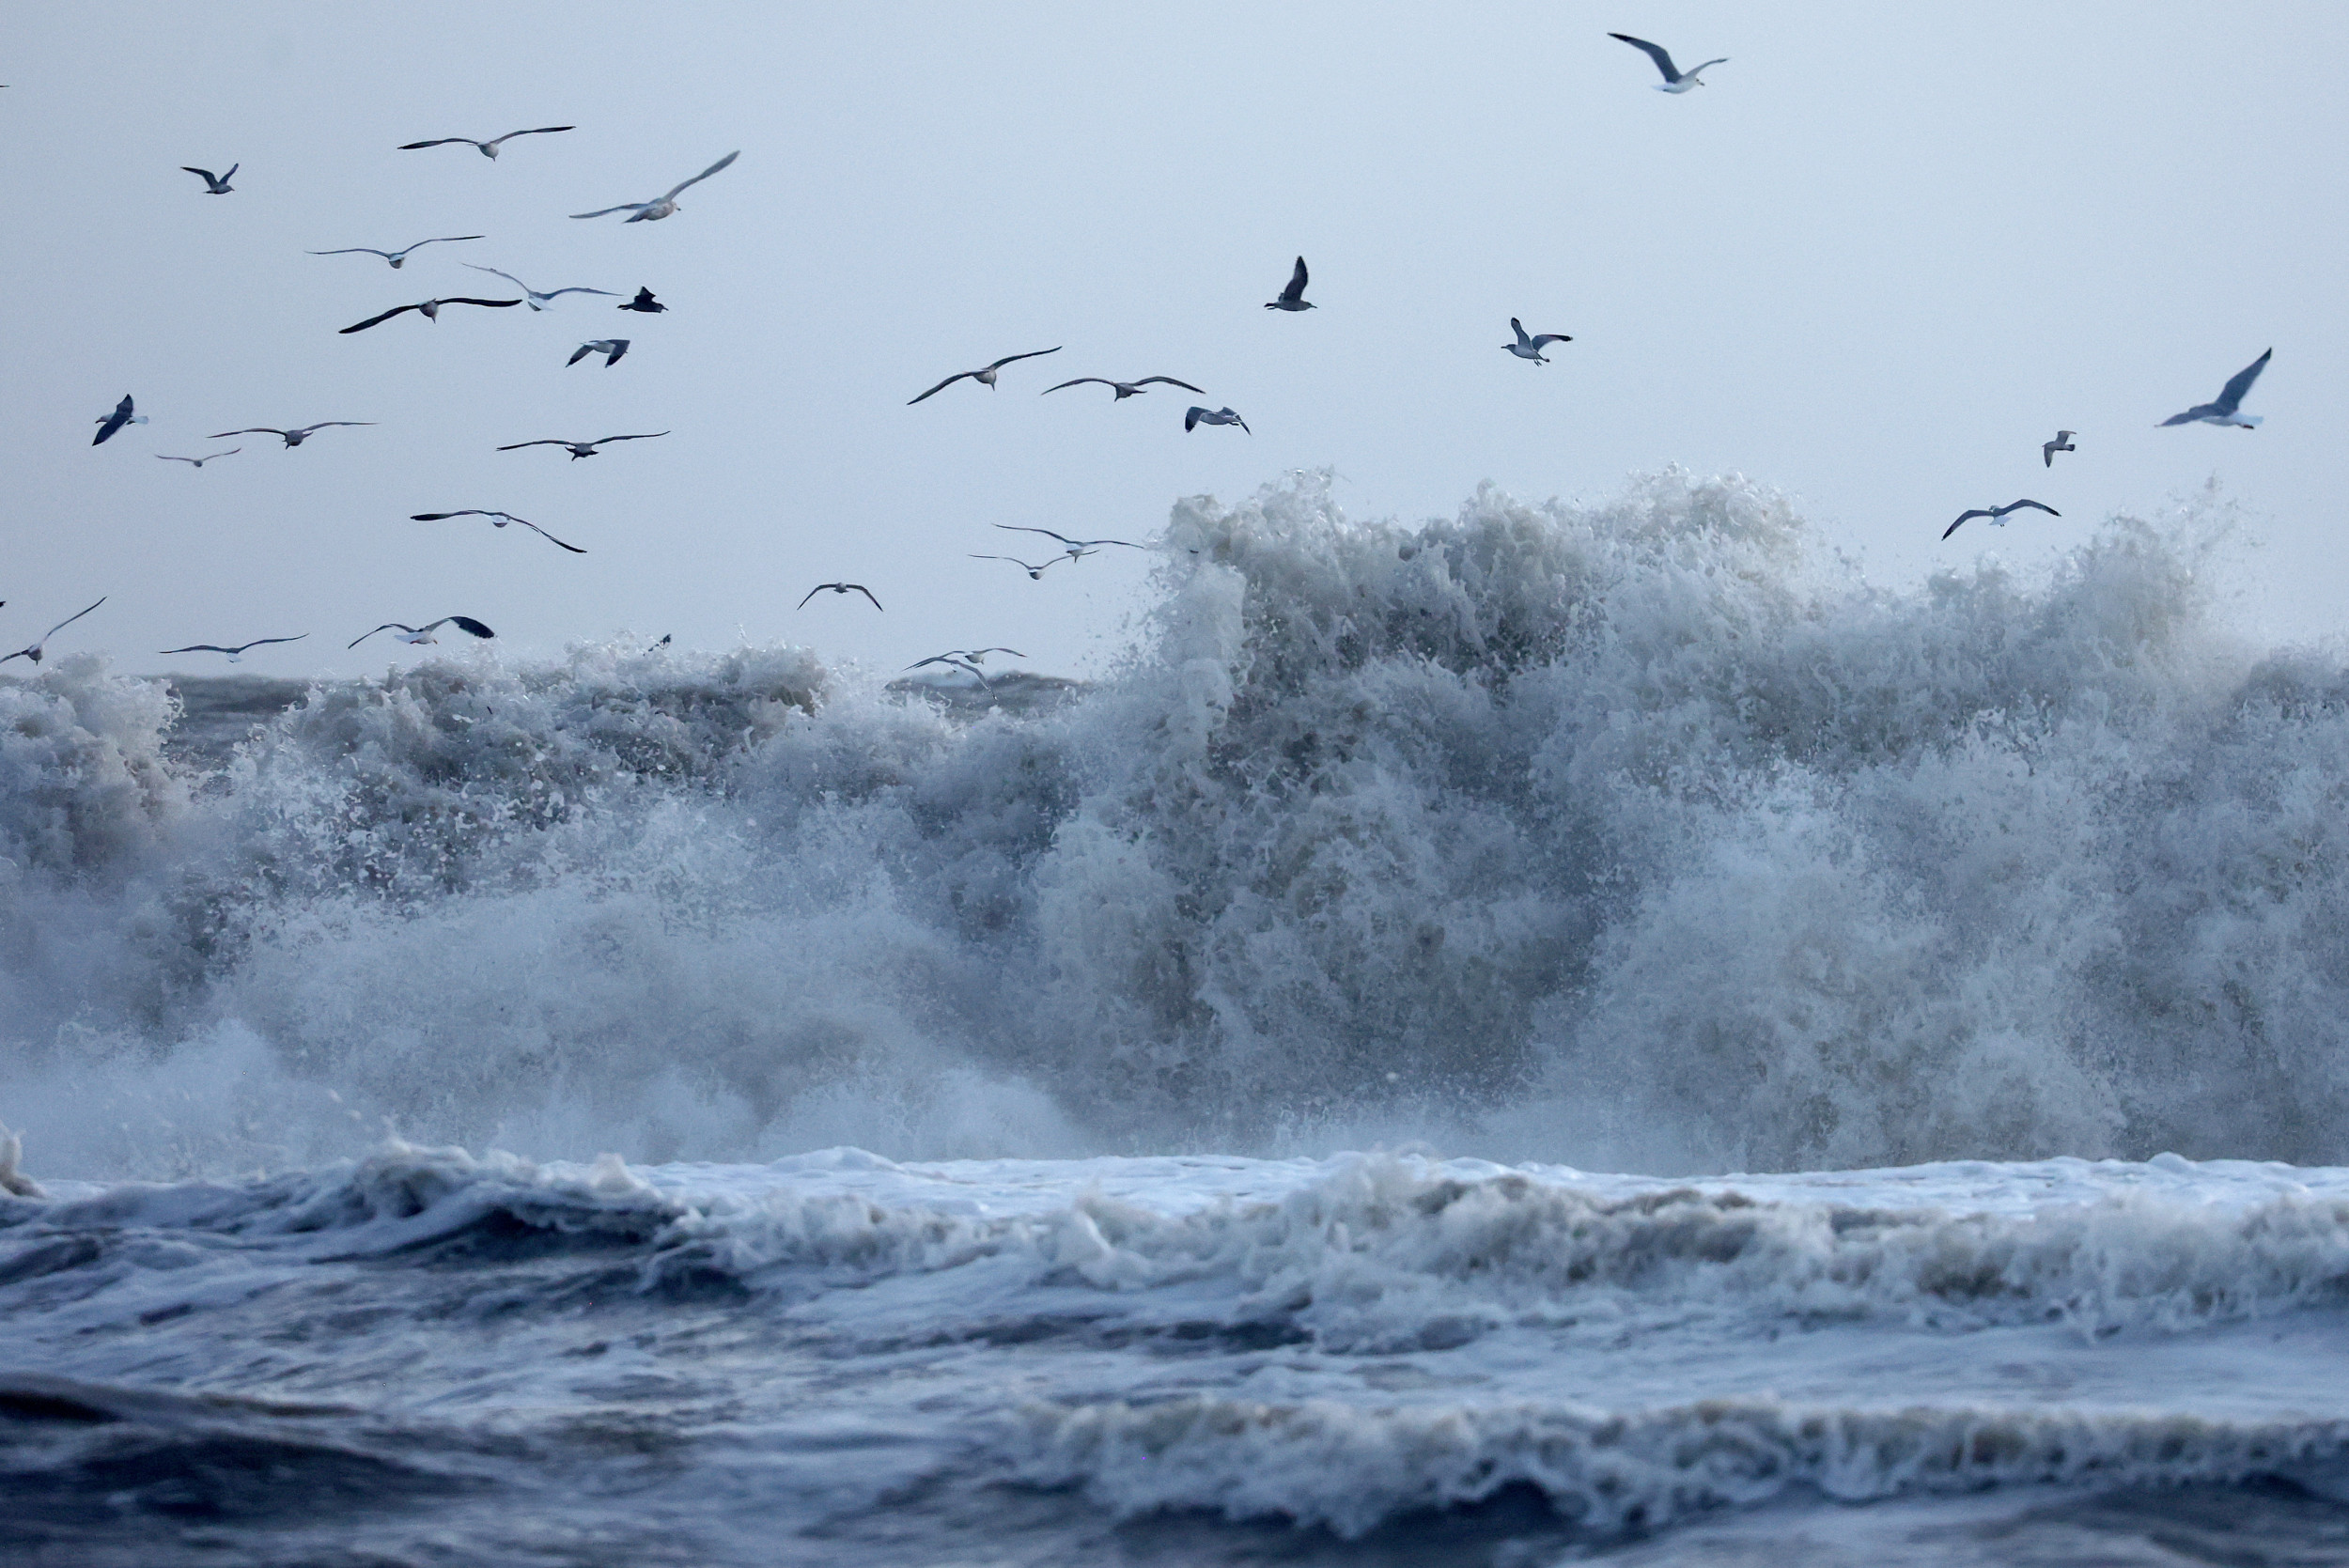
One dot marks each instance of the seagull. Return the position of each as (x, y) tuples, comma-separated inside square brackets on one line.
[(33, 653), (609, 348), (579, 449), (1676, 80), (398, 258), (660, 207), (498, 519), (2230, 397), (234, 654), (214, 185), (1293, 297), (644, 302), (424, 633), (199, 462), (2062, 443), (1997, 514), (1076, 547), (109, 423), (984, 376), (1123, 390), (489, 148), (840, 588), (1198, 416), (1036, 573), (958, 662), (292, 438), (665, 639), (537, 300), (430, 309), (1529, 346)]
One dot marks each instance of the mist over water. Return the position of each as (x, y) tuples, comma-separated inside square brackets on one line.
[(1643, 835)]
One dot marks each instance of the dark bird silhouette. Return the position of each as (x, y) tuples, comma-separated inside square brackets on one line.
[(984, 374), (429, 309), (1293, 297), (291, 438), (236, 653), (1997, 514), (497, 520), (487, 149), (1123, 390), (2222, 410), (579, 449), (840, 588), (644, 302), (109, 424), (214, 185)]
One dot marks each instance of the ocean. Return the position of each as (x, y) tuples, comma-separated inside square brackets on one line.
[(1572, 1033)]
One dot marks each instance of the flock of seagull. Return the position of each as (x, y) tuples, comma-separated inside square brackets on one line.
[(2225, 410)]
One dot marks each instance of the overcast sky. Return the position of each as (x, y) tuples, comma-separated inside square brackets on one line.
[(1877, 261)]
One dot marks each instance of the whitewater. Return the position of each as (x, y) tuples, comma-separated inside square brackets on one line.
[(723, 1107)]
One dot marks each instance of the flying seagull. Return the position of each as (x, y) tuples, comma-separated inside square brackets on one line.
[(1198, 416), (840, 588), (579, 449), (1122, 390), (1293, 297), (429, 308), (489, 148), (2222, 411), (1076, 547), (214, 185), (424, 633), (33, 653), (398, 258), (609, 348), (292, 438), (2062, 443), (958, 662), (666, 638), (537, 300), (985, 375), (236, 653), (1529, 346), (1997, 514), (1036, 573), (644, 302), (109, 423), (199, 462), (660, 207), (498, 519), (1676, 80)]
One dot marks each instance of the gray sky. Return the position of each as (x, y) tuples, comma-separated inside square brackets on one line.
[(1883, 255)]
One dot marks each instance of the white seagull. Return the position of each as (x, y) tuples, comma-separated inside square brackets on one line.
[(1036, 573), (198, 462), (487, 149), (237, 653), (840, 588), (609, 348), (214, 185), (1997, 514), (1531, 345), (579, 449), (109, 423), (291, 438), (429, 309), (986, 374), (1676, 80), (2222, 410), (407, 633), (1076, 547), (660, 207), (2047, 449), (33, 653), (1198, 416), (498, 519), (398, 258), (537, 300), (1293, 297), (1120, 391)]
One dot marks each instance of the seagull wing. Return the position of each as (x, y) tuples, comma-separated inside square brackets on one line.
[(520, 444), (646, 436), (393, 625), (941, 386), (2014, 505), (113, 421), (466, 624), (1023, 528), (581, 353), (1033, 353), (1191, 417), (1653, 51), (1518, 327), (201, 647), (372, 321), (704, 175), (66, 622), (437, 517), (260, 642), (411, 147), (353, 250), (1167, 381), (552, 292), (1706, 65), (2231, 395), (811, 593), (508, 276), (210, 177), (1021, 565), (861, 588), (2200, 410), (1296, 291), (1548, 338), (540, 131), (1977, 512), (466, 300), (548, 537), (330, 424), (439, 240), (1079, 381), (624, 207), (252, 430)]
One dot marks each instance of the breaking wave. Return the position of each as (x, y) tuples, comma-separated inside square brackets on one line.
[(1639, 834)]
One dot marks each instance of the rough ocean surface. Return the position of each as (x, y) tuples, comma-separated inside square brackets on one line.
[(1638, 836)]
